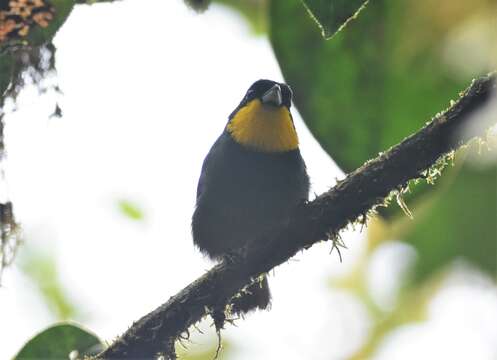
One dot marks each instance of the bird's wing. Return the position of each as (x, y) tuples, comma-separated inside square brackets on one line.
[(205, 168), (201, 180)]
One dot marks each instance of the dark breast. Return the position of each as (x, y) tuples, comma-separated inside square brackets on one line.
[(243, 193)]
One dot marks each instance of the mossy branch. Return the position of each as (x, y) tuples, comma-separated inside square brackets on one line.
[(350, 200)]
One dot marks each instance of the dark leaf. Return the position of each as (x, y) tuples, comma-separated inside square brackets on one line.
[(374, 83), (461, 223), (58, 341), (371, 85), (42, 269), (332, 15)]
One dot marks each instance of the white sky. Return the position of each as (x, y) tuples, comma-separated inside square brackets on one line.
[(147, 89)]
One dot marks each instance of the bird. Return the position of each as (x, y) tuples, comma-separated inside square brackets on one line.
[(251, 179)]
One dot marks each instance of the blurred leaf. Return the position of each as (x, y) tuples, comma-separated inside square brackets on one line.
[(332, 15), (461, 223), (374, 83), (130, 210), (410, 308), (198, 5), (42, 269), (91, 2), (254, 11), (58, 341)]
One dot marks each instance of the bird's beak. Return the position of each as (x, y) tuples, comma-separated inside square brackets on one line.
[(272, 96)]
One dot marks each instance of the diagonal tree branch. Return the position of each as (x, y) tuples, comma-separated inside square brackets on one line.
[(330, 212)]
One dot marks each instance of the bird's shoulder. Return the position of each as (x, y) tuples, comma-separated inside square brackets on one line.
[(215, 154)]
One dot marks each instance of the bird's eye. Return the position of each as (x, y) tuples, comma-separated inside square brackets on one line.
[(250, 94)]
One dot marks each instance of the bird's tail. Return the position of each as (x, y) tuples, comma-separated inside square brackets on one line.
[(255, 296)]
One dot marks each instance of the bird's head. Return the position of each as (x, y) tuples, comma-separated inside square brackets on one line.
[(263, 121)]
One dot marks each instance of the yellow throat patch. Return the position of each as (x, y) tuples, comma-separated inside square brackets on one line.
[(264, 128)]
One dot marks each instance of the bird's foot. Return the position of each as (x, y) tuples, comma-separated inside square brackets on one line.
[(232, 257)]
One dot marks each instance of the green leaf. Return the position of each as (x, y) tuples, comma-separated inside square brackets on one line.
[(461, 223), (130, 210), (58, 341), (39, 35), (374, 83), (93, 2), (42, 269), (370, 86), (332, 15)]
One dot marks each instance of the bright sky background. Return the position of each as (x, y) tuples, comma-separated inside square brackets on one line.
[(147, 89)]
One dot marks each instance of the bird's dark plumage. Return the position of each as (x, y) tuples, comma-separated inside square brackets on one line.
[(245, 191)]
